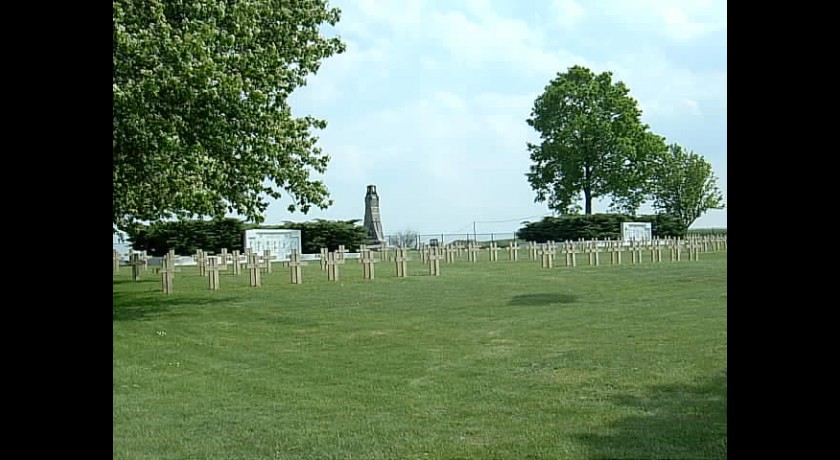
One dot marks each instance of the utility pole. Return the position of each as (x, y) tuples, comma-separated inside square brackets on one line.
[(475, 238)]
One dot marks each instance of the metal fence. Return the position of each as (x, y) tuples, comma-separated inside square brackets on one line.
[(441, 239)]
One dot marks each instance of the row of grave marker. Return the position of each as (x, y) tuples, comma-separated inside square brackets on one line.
[(448, 252), (430, 255), (541, 250)]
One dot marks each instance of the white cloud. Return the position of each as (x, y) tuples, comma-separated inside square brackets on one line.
[(494, 39), (567, 13), (679, 26), (338, 74), (448, 100), (665, 90), (395, 13), (678, 20)]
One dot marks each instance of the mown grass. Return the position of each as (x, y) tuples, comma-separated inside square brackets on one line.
[(492, 360)]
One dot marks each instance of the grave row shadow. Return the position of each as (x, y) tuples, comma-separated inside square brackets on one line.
[(141, 306), (531, 300)]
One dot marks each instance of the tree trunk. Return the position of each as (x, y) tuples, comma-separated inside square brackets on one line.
[(587, 200), (587, 190)]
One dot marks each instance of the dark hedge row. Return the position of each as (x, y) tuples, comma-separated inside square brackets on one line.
[(327, 234), (597, 227), (185, 237)]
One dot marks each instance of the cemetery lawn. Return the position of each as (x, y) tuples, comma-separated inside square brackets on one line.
[(492, 360)]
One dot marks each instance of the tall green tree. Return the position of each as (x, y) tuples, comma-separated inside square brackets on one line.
[(202, 126), (684, 185), (592, 142)]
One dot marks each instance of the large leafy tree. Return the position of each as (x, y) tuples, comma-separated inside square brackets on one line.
[(202, 126), (684, 185), (592, 142)]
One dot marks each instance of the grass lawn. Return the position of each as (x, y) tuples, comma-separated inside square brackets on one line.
[(492, 360)]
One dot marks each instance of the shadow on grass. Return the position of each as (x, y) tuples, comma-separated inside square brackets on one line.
[(542, 299), (140, 281), (140, 306), (679, 422)]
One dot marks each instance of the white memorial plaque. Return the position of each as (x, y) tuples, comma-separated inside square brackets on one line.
[(279, 241), (636, 231)]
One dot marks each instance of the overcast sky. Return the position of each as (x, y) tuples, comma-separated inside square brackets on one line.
[(430, 99)]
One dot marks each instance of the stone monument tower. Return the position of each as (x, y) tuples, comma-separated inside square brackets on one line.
[(373, 223)]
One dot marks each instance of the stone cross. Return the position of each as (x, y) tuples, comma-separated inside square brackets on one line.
[(267, 260), (362, 249), (199, 261), (383, 252), (532, 250), (513, 251), (472, 251), (144, 256), (294, 264), (340, 253), (458, 249), (254, 269), (213, 272), (571, 256), (332, 265), (400, 258), (422, 249), (694, 251), (117, 258), (434, 262), (449, 254), (547, 252), (324, 256), (223, 260), (615, 253), (635, 254), (135, 263), (367, 260), (167, 273), (234, 262), (494, 251), (593, 254)]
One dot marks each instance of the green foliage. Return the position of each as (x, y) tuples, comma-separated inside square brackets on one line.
[(596, 227), (329, 234), (684, 185), (592, 141), (665, 225), (201, 121), (186, 237)]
